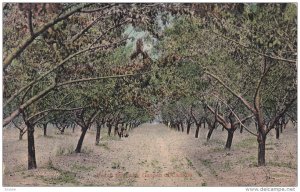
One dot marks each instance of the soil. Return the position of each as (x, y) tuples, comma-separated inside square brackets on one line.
[(152, 155)]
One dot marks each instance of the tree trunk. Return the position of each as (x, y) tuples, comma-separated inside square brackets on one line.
[(230, 133), (109, 129), (188, 128), (261, 139), (21, 133), (45, 129), (197, 130), (98, 133), (116, 129), (241, 129), (62, 131), (178, 126), (79, 144), (277, 131), (31, 147), (209, 134), (256, 126), (182, 128)]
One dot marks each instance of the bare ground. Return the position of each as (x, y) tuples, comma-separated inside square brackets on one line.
[(153, 155)]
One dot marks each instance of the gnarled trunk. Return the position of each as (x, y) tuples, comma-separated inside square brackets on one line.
[(45, 129), (31, 147), (109, 126), (116, 129), (261, 139), (197, 130), (181, 125), (209, 133), (230, 133), (80, 141), (256, 126), (21, 133), (188, 128), (98, 130), (62, 131), (277, 131)]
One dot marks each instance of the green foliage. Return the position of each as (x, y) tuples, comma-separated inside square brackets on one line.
[(290, 13)]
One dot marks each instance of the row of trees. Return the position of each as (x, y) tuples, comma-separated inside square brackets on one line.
[(240, 65), (71, 64), (183, 114)]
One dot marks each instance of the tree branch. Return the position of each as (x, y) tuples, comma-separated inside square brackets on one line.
[(57, 66), (54, 109), (93, 116), (108, 30), (97, 9), (78, 35), (17, 126), (219, 118), (98, 78), (256, 52), (194, 118), (245, 102), (47, 90), (277, 117), (24, 44), (26, 104), (30, 26), (241, 122)]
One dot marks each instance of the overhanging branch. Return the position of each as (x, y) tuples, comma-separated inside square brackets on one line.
[(24, 44), (256, 52), (98, 78), (246, 103), (240, 121), (56, 67), (15, 113)]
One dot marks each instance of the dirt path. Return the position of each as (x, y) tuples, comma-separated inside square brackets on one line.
[(152, 155), (161, 166)]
